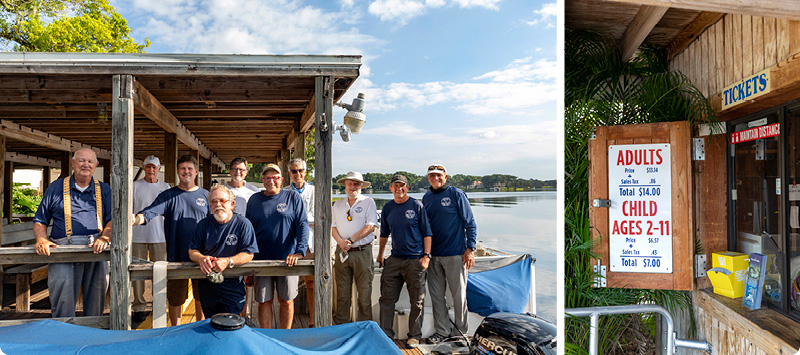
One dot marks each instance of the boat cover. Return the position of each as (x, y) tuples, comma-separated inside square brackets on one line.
[(53, 337), (503, 285)]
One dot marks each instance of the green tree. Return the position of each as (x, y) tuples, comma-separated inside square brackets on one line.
[(602, 90), (65, 26)]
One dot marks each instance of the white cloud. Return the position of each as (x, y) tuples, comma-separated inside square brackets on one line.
[(244, 26), (516, 89), (401, 11), (546, 15)]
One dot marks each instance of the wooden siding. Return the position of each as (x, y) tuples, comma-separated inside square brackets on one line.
[(735, 47), (729, 327)]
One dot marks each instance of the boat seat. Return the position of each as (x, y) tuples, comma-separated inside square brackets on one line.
[(24, 276)]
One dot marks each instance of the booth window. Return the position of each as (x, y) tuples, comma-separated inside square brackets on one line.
[(764, 201)]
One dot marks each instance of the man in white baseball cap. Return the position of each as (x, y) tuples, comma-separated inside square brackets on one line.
[(148, 240)]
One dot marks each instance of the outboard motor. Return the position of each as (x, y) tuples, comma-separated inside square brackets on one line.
[(511, 333)]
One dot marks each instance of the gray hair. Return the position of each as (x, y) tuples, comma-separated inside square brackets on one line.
[(298, 162), (225, 189)]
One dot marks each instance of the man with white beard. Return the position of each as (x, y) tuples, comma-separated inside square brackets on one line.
[(222, 241)]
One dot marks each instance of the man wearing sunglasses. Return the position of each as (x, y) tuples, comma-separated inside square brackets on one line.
[(281, 225), (354, 221), (297, 174), (452, 247)]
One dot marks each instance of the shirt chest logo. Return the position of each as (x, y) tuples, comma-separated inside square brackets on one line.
[(358, 209), (282, 207), (231, 239), (410, 214), (200, 202), (446, 201)]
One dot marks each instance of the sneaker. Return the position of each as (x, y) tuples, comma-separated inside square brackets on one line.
[(436, 338), (412, 343)]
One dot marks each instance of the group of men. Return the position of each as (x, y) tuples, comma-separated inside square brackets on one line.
[(182, 223), (433, 242)]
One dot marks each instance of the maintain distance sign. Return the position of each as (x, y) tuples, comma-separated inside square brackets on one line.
[(640, 216)]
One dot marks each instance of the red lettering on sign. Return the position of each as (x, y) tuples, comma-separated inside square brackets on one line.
[(640, 157)]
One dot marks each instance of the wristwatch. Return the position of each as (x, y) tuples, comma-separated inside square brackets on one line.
[(428, 255), (230, 263)]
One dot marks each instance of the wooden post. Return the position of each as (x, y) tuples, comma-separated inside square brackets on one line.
[(323, 170), (206, 173), (65, 170), (2, 194), (300, 146), (170, 166), (106, 170), (45, 178), (122, 203), (284, 164), (8, 190), (196, 154)]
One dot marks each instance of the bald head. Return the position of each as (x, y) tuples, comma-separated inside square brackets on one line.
[(84, 162)]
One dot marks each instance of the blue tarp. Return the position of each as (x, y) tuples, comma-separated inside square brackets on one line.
[(504, 289), (52, 337)]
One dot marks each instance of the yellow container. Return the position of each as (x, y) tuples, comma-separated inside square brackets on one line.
[(728, 273)]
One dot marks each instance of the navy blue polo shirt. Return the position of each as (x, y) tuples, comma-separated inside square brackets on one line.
[(407, 223), (452, 222), (83, 204), (182, 210), (280, 223), (224, 240)]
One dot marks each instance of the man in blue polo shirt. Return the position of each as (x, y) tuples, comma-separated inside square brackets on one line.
[(281, 226), (404, 218), (453, 246), (222, 241), (81, 216), (182, 206)]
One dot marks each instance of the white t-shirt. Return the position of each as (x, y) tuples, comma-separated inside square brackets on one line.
[(308, 200), (242, 196), (363, 212), (144, 193)]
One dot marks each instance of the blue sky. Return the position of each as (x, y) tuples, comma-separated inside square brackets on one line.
[(470, 84)]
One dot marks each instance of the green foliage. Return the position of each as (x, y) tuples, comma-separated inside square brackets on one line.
[(601, 90), (254, 170), (25, 201), (65, 26), (380, 181)]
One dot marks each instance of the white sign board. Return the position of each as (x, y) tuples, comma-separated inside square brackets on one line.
[(640, 216)]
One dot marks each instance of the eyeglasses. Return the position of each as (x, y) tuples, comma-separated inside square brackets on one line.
[(348, 216), (223, 201), (274, 178), (295, 171), (436, 167), (236, 170)]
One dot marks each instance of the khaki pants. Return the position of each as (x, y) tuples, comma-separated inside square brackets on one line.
[(358, 267), (156, 252)]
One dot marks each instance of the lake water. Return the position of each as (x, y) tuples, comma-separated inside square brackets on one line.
[(517, 223)]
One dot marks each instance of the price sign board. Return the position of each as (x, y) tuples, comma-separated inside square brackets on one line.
[(640, 216)]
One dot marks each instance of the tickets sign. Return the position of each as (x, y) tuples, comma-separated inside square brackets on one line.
[(756, 133), (640, 216)]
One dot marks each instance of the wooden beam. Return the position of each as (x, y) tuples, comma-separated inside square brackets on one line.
[(122, 205), (44, 139), (789, 9), (147, 104), (62, 254), (190, 270), (32, 160), (284, 164), (100, 322), (170, 159), (691, 32), (2, 195), (300, 146), (65, 165), (645, 20), (45, 178), (196, 155), (323, 170), (307, 119), (206, 173)]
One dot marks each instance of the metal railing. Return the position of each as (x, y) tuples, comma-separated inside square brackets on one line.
[(672, 338)]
